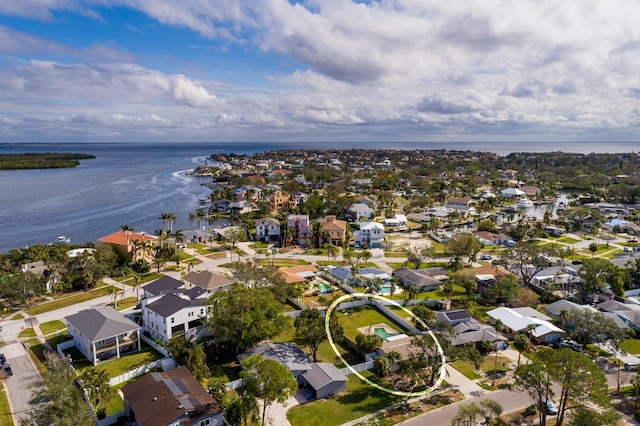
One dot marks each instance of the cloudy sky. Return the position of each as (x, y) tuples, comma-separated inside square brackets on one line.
[(251, 70)]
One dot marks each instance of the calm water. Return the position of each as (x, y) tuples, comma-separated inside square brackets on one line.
[(134, 183)]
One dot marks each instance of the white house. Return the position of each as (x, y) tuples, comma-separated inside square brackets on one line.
[(103, 333), (525, 320), (371, 235), (360, 211), (267, 229), (397, 220), (512, 193), (175, 314)]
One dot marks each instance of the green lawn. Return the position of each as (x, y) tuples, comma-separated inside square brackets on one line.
[(489, 364), (82, 296), (27, 332), (116, 367), (359, 400), (5, 410), (631, 346), (115, 405), (424, 265), (36, 352), (52, 326), (466, 368), (363, 316), (568, 240), (127, 303)]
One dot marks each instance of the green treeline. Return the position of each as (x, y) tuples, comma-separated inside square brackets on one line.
[(47, 160)]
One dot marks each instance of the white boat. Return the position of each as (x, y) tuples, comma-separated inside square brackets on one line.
[(524, 203), (63, 240)]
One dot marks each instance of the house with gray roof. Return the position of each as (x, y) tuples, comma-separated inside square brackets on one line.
[(163, 285), (359, 211), (418, 278), (210, 281), (288, 354), (325, 380), (175, 314), (475, 332), (103, 333)]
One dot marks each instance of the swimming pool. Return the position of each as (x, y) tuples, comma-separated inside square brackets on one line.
[(385, 289), (323, 287), (382, 333)]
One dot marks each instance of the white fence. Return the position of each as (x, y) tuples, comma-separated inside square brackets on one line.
[(236, 384), (164, 364), (358, 368), (154, 345)]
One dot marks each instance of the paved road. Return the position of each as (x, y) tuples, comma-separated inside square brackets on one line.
[(18, 386)]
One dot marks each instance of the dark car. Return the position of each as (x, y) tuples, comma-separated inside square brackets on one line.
[(3, 359), (6, 369), (576, 262)]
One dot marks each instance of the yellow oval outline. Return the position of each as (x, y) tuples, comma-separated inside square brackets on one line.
[(339, 300)]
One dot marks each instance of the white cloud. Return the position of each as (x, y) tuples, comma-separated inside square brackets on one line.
[(391, 67)]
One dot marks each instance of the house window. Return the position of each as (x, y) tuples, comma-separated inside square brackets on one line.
[(205, 422), (173, 320)]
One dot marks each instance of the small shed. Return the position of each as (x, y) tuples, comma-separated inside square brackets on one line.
[(325, 380)]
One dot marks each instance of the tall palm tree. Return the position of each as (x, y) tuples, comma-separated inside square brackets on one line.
[(171, 219), (178, 237), (564, 315), (332, 251), (499, 326)]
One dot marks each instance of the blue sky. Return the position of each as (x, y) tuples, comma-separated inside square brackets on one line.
[(274, 70)]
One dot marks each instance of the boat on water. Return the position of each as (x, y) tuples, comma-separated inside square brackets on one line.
[(63, 240), (524, 203)]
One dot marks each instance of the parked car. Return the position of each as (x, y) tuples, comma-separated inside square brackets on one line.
[(3, 359), (571, 345), (486, 257), (6, 369), (576, 262), (550, 407)]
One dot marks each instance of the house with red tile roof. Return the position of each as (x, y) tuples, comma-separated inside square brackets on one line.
[(124, 240), (333, 230)]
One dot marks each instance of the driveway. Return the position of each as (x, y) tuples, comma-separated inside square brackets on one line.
[(18, 386)]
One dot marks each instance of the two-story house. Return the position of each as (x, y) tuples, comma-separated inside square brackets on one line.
[(370, 235), (299, 227), (267, 229), (333, 230)]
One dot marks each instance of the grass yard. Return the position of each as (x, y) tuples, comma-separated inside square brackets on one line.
[(489, 364), (228, 371), (82, 296), (50, 327), (5, 410), (359, 400), (466, 368), (568, 240), (115, 405), (36, 352), (127, 303), (631, 346), (424, 265), (363, 316), (27, 332), (116, 367)]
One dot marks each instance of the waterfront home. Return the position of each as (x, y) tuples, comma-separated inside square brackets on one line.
[(103, 333), (267, 229), (170, 398), (41, 270), (512, 193), (333, 230), (370, 235), (492, 239), (298, 274), (123, 240), (530, 191)]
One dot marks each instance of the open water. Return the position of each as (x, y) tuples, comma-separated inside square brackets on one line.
[(134, 183)]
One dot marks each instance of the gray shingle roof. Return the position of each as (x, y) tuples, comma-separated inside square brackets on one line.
[(169, 304), (101, 323), (287, 354), (322, 374), (208, 280), (162, 285)]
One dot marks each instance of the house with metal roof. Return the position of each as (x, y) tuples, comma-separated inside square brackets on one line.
[(103, 333), (527, 320), (170, 398), (210, 281), (175, 314), (163, 285), (288, 354), (370, 235)]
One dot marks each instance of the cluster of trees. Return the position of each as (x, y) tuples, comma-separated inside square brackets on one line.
[(47, 160), (583, 386), (56, 398)]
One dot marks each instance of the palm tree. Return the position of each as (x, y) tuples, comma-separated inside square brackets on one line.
[(411, 293), (564, 315), (332, 251), (136, 285), (113, 291), (171, 219), (499, 326), (521, 343), (178, 237)]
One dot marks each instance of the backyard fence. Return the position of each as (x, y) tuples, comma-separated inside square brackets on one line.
[(164, 364), (358, 368), (236, 384), (154, 345)]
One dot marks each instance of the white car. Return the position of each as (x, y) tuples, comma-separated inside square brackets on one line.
[(551, 408), (486, 257)]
